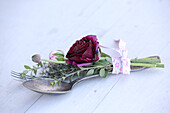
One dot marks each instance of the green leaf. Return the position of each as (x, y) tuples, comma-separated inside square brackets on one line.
[(59, 82), (102, 73), (22, 75), (40, 64), (27, 67), (96, 71), (35, 70), (105, 55), (62, 52), (59, 53), (71, 78), (78, 73), (100, 50), (25, 72), (109, 59), (63, 78), (60, 58), (50, 67), (90, 72), (98, 63), (55, 79), (106, 73), (52, 83), (31, 74)]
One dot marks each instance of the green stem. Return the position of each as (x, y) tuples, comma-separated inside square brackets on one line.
[(102, 58), (146, 60), (141, 60), (83, 69), (147, 65), (52, 61)]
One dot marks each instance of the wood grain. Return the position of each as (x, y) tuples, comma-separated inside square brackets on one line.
[(29, 27)]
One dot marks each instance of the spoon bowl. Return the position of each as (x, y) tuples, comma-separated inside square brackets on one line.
[(43, 86)]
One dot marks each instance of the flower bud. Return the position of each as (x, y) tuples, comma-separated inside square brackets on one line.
[(36, 58)]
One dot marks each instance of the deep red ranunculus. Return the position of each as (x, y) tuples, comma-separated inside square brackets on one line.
[(83, 52)]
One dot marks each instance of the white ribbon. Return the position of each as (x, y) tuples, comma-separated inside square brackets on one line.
[(121, 63)]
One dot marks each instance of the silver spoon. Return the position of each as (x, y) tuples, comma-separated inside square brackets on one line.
[(42, 85)]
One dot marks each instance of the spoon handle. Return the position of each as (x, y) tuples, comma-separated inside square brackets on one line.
[(133, 69)]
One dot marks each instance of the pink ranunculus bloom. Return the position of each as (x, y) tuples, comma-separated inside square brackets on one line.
[(83, 52), (52, 57)]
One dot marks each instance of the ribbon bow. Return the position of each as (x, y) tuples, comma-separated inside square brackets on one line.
[(121, 64)]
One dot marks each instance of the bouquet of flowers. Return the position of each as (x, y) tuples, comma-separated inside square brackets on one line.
[(84, 58)]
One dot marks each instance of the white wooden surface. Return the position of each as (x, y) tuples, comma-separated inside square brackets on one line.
[(37, 26)]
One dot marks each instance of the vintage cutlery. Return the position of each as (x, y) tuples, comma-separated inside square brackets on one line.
[(42, 84)]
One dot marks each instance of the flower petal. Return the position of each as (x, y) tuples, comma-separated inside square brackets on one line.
[(83, 64), (89, 52)]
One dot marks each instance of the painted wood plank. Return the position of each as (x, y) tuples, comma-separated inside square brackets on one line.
[(39, 27), (147, 91)]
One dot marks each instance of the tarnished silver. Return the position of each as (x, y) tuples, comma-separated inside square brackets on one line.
[(42, 84)]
